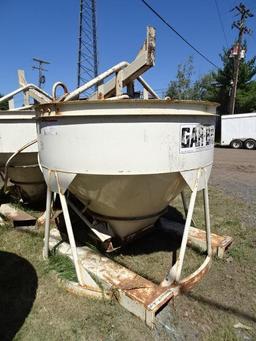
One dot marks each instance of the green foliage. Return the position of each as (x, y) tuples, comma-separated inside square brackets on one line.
[(184, 88), (4, 105), (203, 88), (181, 87), (216, 85), (246, 98), (63, 266)]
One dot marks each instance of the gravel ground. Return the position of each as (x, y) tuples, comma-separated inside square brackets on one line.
[(234, 171)]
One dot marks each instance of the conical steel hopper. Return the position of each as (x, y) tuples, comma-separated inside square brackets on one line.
[(125, 160), (18, 154)]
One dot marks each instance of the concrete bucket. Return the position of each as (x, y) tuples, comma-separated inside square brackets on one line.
[(117, 162), (18, 154), (125, 160)]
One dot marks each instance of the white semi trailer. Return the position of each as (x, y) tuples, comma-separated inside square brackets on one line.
[(239, 130)]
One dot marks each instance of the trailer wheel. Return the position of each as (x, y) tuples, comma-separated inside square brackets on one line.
[(236, 144), (250, 144)]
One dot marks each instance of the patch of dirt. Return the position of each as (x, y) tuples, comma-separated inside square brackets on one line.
[(234, 171)]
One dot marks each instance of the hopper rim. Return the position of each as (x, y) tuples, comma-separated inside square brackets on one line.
[(54, 108)]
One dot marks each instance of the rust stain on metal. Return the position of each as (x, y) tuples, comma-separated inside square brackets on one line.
[(188, 283), (57, 110), (100, 96), (142, 290), (137, 294)]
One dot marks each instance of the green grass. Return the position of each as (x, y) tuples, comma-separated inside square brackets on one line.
[(225, 297), (63, 266), (223, 333)]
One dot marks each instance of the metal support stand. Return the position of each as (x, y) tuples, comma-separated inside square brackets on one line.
[(11, 158), (83, 276), (185, 206), (47, 223), (184, 202), (191, 206), (138, 295), (207, 220), (71, 237), (175, 272)]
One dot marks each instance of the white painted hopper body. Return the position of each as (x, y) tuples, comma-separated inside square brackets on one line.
[(125, 159), (17, 128)]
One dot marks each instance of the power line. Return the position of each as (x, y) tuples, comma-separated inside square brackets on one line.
[(178, 34), (221, 22)]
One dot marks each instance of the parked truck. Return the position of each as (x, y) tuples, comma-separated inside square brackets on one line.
[(239, 131)]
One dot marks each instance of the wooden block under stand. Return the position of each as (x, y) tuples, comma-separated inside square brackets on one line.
[(16, 216), (197, 238)]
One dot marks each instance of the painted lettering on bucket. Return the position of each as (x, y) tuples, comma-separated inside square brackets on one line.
[(196, 137)]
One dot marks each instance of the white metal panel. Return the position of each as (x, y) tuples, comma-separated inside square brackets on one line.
[(242, 126), (15, 133), (17, 128), (231, 117), (116, 148)]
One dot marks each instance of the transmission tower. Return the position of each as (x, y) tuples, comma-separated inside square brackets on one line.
[(87, 47), (238, 51)]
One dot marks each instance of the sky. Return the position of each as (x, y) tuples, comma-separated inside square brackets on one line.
[(48, 29)]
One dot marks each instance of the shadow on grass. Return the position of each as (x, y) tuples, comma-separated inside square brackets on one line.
[(18, 286), (220, 306), (160, 238), (13, 197)]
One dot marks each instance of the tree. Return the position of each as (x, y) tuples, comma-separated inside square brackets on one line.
[(246, 96), (203, 89), (181, 87), (4, 105), (216, 85), (184, 88)]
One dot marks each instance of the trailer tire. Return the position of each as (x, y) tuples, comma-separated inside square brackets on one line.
[(236, 144), (250, 144)]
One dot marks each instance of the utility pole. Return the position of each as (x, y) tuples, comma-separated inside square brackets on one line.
[(41, 76), (238, 51), (87, 66)]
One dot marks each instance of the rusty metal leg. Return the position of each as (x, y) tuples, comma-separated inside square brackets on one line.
[(47, 223)]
